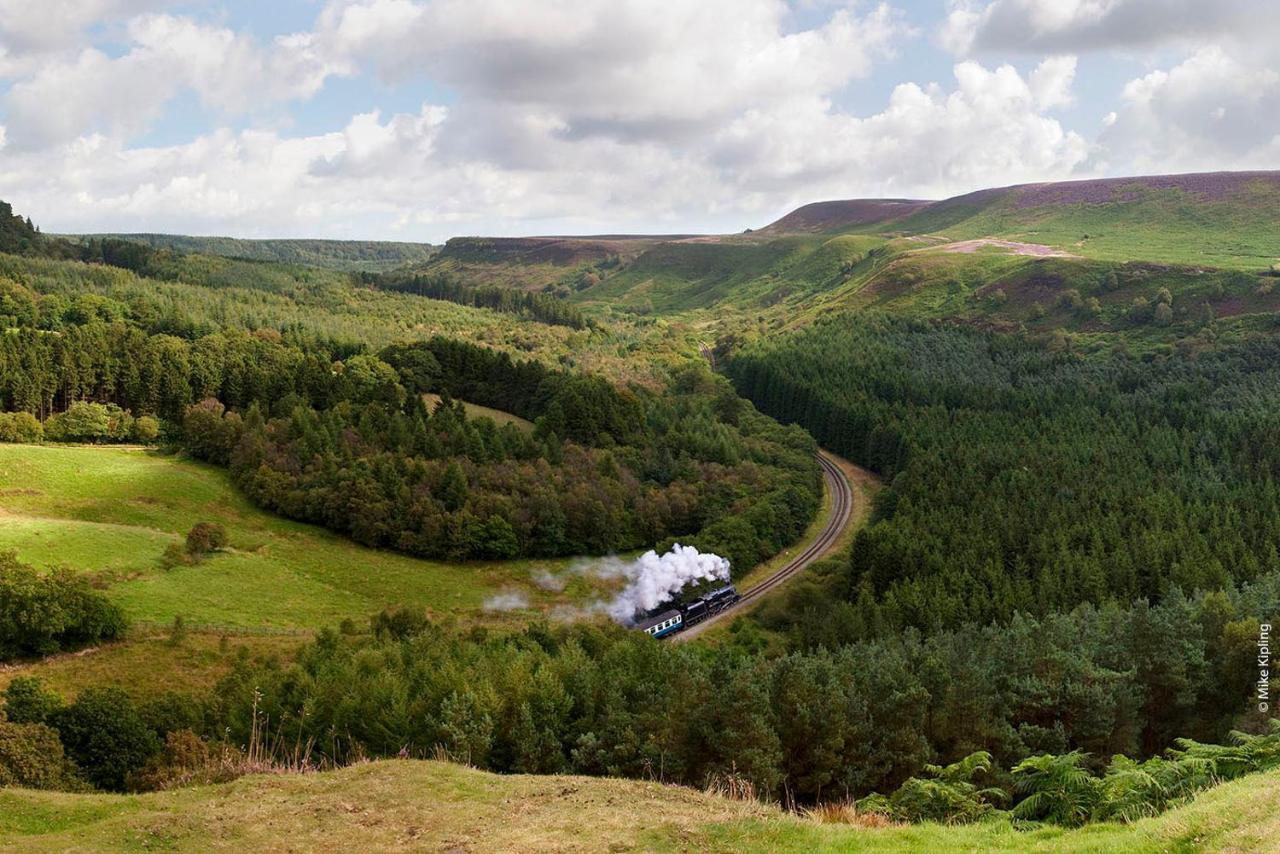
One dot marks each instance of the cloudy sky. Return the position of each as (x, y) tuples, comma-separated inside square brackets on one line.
[(423, 119)]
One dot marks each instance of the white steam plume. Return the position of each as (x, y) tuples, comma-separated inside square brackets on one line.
[(654, 579), (547, 580), (506, 600)]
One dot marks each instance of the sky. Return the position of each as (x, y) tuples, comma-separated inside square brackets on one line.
[(426, 119)]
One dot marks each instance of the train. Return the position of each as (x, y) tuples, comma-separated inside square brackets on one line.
[(690, 613)]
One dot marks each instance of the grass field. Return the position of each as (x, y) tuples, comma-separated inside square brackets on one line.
[(152, 664), (111, 511), (407, 804), (475, 410)]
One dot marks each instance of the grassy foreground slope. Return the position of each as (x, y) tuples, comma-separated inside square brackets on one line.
[(112, 511), (407, 804)]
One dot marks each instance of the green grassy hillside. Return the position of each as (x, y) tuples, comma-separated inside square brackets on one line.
[(735, 273), (112, 511), (1229, 220), (475, 410), (536, 263), (409, 804), (1212, 239)]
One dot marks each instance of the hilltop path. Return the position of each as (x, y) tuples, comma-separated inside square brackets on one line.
[(841, 518)]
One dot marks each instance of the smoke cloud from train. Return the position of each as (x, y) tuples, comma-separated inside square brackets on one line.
[(653, 579)]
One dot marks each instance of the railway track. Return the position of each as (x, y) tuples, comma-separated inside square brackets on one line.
[(841, 514)]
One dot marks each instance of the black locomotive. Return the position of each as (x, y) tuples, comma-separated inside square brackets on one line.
[(690, 613)]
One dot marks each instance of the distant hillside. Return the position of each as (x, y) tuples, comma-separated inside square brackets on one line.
[(1222, 219), (536, 263), (557, 251), (366, 255), (833, 216), (1198, 222), (433, 806)]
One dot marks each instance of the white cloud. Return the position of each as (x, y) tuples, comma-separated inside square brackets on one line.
[(1217, 107), (92, 91), (33, 32), (590, 115), (1215, 110), (632, 69), (411, 170), (122, 96), (230, 71), (1051, 81), (989, 129), (1076, 26)]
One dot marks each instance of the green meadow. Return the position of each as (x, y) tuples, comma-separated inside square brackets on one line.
[(112, 511)]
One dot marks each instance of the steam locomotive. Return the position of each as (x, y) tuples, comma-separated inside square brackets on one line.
[(690, 613)]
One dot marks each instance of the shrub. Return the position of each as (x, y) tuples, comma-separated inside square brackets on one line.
[(20, 427), (178, 631), (106, 737), (184, 753), (206, 537), (27, 702), (1164, 314), (31, 756), (175, 554), (1056, 789), (188, 760), (945, 794), (1071, 299), (210, 432), (42, 614), (171, 711), (82, 422), (399, 623), (90, 422), (146, 429)]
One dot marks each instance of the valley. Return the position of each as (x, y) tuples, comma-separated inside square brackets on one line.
[(1012, 453)]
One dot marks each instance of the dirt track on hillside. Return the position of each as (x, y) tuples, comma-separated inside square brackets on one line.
[(1036, 250)]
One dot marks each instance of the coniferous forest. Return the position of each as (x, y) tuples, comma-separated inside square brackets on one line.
[(1024, 479), (346, 440)]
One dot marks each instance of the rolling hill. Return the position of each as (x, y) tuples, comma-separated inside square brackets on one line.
[(415, 805), (818, 217), (1225, 219), (1211, 240), (538, 263)]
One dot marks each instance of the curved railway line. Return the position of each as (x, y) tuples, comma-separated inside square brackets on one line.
[(841, 514)]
